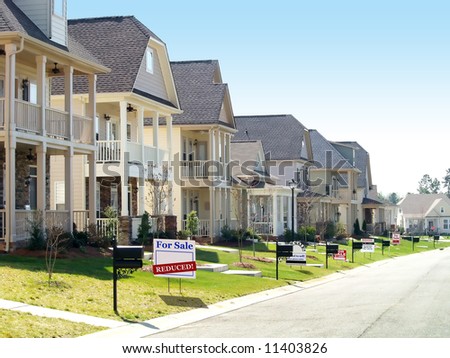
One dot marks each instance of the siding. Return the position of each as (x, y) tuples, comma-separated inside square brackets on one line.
[(38, 11), (59, 30), (152, 83)]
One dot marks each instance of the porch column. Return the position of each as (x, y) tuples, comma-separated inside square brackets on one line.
[(123, 159), (228, 205), (68, 179), (227, 157), (212, 212), (169, 163), (217, 155), (223, 159), (143, 174), (275, 214), (10, 144), (156, 139), (41, 189), (41, 61), (92, 113), (68, 96)]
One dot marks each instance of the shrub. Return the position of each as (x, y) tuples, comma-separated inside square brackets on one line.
[(35, 228), (144, 230), (307, 233), (192, 222)]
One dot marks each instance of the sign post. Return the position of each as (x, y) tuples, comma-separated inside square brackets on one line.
[(283, 251), (330, 249)]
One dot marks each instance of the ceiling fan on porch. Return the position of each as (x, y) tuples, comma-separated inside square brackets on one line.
[(130, 108)]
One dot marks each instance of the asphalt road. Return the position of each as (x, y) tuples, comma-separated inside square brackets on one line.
[(406, 297)]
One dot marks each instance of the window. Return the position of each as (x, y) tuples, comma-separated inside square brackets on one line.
[(445, 224), (60, 196), (128, 132), (59, 8), (149, 60), (442, 210)]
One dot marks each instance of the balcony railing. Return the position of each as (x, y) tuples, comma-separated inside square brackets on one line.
[(194, 169), (110, 151), (57, 125)]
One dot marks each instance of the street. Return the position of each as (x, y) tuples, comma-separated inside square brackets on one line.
[(406, 297)]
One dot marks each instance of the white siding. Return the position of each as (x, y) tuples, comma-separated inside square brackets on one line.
[(59, 30), (152, 83)]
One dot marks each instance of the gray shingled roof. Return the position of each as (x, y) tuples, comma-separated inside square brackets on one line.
[(281, 135), (419, 204), (201, 99), (120, 43), (325, 154), (12, 19), (361, 159)]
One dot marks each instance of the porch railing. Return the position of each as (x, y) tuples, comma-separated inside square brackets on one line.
[(81, 219), (82, 129), (56, 123), (108, 151), (194, 169), (28, 117), (262, 227), (203, 227), (107, 227)]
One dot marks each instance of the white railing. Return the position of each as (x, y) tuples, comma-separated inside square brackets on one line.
[(28, 116), (81, 219), (203, 227), (2, 113), (108, 151), (2, 224), (57, 218), (263, 227), (82, 129), (24, 218), (107, 227), (57, 123), (134, 152), (194, 169)]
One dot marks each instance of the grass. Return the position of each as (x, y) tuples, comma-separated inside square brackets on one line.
[(85, 285)]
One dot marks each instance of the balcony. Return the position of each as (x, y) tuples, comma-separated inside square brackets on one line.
[(57, 123), (110, 151)]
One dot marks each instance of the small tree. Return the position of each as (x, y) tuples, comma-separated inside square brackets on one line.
[(112, 222), (192, 223), (35, 228), (55, 240), (144, 229), (356, 227)]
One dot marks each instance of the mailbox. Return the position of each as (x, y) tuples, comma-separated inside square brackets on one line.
[(285, 250), (436, 237), (129, 257), (416, 238), (357, 245), (332, 248), (386, 243)]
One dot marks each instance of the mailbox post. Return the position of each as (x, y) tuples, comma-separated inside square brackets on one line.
[(385, 243), (331, 249), (283, 251), (127, 258)]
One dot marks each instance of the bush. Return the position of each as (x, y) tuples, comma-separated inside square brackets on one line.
[(35, 227), (307, 233), (192, 222), (144, 230), (226, 233), (330, 230)]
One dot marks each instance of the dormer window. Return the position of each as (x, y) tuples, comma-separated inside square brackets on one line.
[(149, 60), (59, 8), (442, 210)]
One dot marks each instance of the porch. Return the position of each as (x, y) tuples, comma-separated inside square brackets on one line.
[(50, 123)]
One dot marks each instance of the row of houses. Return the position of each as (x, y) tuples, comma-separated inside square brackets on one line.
[(94, 115)]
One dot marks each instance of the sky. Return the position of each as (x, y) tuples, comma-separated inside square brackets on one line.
[(376, 72)]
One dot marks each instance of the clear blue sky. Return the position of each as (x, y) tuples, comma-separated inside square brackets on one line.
[(375, 72)]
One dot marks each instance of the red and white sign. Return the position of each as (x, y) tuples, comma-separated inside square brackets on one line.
[(395, 239), (368, 245), (341, 255), (174, 258)]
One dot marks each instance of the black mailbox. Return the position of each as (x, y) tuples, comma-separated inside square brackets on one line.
[(128, 257), (386, 243), (416, 239), (436, 237), (332, 248), (357, 245), (285, 250)]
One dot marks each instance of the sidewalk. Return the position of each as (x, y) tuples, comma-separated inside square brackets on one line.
[(139, 330)]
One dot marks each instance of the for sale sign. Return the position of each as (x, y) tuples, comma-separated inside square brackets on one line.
[(298, 256), (174, 258), (395, 239), (368, 245), (341, 255)]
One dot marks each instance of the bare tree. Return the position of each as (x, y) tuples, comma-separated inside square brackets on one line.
[(55, 240)]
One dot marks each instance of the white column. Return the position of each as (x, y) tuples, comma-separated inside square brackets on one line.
[(68, 95), (41, 61), (144, 172), (275, 214), (10, 144), (227, 157), (68, 179), (169, 129), (156, 138), (92, 113), (212, 212), (41, 189), (223, 161), (123, 159)]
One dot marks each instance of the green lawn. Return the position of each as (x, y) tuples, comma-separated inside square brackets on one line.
[(85, 285)]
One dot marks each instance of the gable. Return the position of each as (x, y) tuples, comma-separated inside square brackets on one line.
[(151, 82)]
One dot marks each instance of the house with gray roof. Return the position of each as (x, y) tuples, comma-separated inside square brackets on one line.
[(138, 90), (425, 213), (286, 151), (35, 48), (201, 146)]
